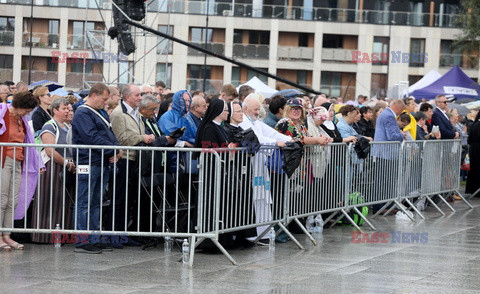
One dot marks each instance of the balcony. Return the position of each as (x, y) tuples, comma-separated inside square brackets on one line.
[(6, 74), (75, 79), (40, 40), (211, 86), (463, 61), (251, 51), (103, 4), (93, 40), (217, 48), (38, 75), (295, 53), (6, 38), (337, 55)]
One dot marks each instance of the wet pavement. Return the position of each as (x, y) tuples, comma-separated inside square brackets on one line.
[(444, 259)]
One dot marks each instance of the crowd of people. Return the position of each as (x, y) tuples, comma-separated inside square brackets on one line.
[(133, 115)]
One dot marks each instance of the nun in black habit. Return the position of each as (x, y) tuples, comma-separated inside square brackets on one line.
[(473, 184)]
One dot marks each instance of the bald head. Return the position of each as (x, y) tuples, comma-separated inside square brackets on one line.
[(251, 107), (398, 106), (320, 100)]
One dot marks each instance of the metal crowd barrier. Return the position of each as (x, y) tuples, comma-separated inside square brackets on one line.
[(202, 194)]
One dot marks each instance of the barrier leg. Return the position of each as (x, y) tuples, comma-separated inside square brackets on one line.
[(435, 205), (331, 216), (414, 208), (474, 194), (345, 214), (192, 251), (336, 221), (463, 198), (445, 201), (390, 209), (290, 235), (400, 205), (381, 209), (306, 232), (263, 234), (364, 218), (219, 246)]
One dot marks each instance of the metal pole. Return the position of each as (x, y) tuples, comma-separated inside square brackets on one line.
[(224, 58), (204, 74), (30, 53)]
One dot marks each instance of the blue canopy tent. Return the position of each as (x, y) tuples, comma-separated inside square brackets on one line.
[(455, 82)]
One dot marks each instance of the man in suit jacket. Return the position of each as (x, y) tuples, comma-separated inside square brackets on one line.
[(440, 119), (128, 127), (385, 156)]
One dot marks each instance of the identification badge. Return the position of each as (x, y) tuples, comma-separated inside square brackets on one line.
[(83, 169)]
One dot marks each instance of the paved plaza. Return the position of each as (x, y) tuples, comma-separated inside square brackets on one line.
[(449, 262)]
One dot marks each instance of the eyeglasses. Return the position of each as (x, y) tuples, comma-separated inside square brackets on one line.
[(296, 109), (152, 108), (48, 94), (445, 102)]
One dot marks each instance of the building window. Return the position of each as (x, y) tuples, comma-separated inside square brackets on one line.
[(7, 28), (378, 85), (51, 66), (197, 35), (126, 72), (6, 61), (251, 74), (380, 47), (165, 46), (164, 73), (417, 52), (78, 65), (331, 83)]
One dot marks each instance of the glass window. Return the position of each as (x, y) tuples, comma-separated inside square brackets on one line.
[(125, 72), (380, 47), (6, 61), (236, 76), (164, 73), (331, 83), (51, 66), (237, 36), (165, 46), (197, 35), (417, 52), (53, 26), (251, 74)]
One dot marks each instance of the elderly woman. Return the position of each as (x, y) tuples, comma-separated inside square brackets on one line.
[(42, 114), (330, 128), (16, 174), (51, 194)]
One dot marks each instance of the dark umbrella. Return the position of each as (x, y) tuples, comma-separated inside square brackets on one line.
[(83, 93), (289, 93), (292, 156), (51, 85), (247, 138), (461, 109)]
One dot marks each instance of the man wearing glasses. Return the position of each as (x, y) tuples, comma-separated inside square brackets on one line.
[(440, 119)]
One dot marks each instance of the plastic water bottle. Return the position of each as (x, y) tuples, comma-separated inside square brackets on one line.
[(57, 238), (309, 224), (271, 243), (167, 246), (318, 224), (185, 251)]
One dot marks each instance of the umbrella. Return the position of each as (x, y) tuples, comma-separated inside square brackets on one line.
[(51, 85), (60, 92), (289, 93), (83, 93), (461, 109)]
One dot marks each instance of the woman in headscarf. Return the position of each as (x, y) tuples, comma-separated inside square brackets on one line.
[(211, 136), (330, 127)]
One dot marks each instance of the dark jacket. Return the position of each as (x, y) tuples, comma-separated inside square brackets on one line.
[(365, 128), (39, 118), (89, 129), (160, 140), (446, 128)]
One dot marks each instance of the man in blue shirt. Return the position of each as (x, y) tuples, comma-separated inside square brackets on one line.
[(91, 127)]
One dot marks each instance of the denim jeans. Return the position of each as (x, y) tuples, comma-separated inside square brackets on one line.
[(90, 219)]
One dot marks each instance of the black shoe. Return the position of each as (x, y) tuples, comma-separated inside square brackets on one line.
[(88, 248), (103, 246)]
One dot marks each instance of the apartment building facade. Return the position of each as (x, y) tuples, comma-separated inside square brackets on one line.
[(344, 48)]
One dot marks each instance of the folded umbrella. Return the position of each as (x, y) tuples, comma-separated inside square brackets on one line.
[(51, 85), (292, 157)]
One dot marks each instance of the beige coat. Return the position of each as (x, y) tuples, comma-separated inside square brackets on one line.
[(126, 130)]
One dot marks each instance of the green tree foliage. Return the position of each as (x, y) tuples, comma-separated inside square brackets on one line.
[(469, 21)]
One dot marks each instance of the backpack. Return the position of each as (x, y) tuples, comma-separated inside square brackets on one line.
[(38, 140), (354, 199)]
